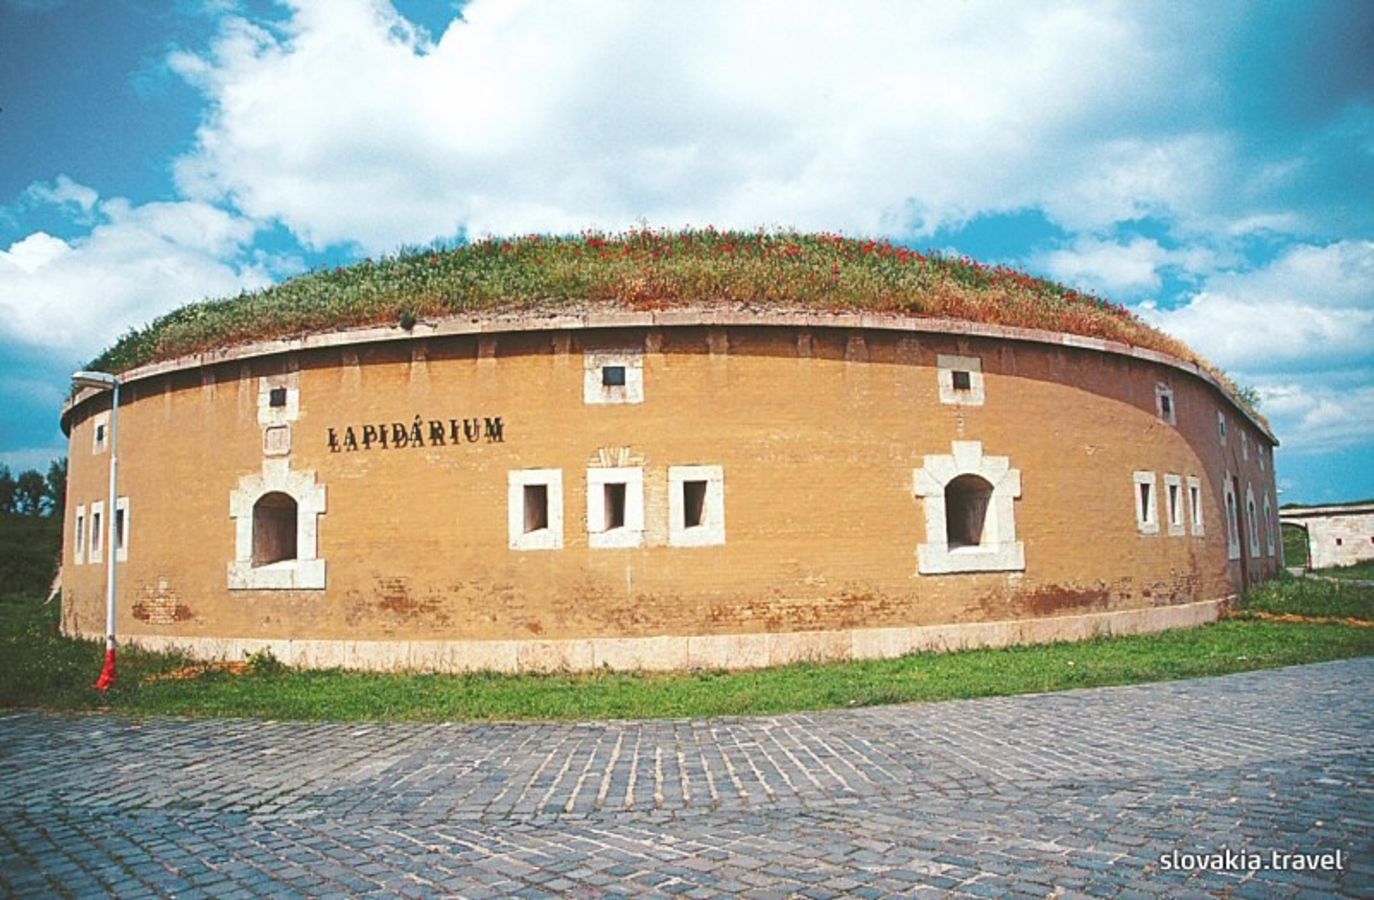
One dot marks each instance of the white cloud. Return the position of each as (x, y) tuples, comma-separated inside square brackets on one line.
[(346, 125), (137, 262), (1312, 307), (65, 192), (1112, 268), (1316, 413)]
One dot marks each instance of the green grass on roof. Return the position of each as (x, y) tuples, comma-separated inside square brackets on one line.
[(639, 270)]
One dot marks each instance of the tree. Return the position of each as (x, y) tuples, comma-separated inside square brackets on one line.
[(57, 487), (7, 488), (30, 493)]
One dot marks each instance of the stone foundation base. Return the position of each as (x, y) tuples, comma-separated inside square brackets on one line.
[(731, 651)]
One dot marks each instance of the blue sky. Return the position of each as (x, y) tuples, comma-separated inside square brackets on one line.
[(1210, 165)]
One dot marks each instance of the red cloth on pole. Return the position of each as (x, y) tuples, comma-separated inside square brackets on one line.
[(107, 675)]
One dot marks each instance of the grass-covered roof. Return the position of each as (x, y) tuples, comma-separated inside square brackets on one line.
[(639, 270)]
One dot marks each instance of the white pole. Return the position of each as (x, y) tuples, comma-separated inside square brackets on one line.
[(112, 570)]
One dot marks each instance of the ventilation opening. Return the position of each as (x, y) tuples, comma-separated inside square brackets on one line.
[(962, 380), (274, 529), (613, 376), (277, 397), (966, 509), (693, 503), (615, 505), (536, 507), (1339, 542)]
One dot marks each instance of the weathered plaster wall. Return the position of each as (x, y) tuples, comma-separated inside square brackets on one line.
[(818, 432)]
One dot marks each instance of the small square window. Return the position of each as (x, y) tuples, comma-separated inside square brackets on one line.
[(613, 376), (960, 379), (277, 398)]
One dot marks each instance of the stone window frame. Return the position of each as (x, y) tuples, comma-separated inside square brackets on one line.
[(596, 393), (307, 570), (1195, 522), (631, 534), (711, 531), (549, 537), (1252, 519), (270, 416), (1231, 510), (97, 533), (946, 365), (123, 529), (1174, 503), (1162, 392), (1146, 514), (100, 432), (81, 529), (999, 550), (1268, 525)]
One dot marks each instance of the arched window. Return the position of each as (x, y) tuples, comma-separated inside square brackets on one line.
[(966, 509), (970, 512), (274, 528)]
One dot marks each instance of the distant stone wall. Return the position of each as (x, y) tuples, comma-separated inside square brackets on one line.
[(1336, 538)]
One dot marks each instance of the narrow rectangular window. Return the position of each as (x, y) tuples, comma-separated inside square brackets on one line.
[(1146, 503), (696, 506), (79, 556), (1164, 403), (1175, 517), (615, 504), (119, 530), (1195, 503), (96, 533), (693, 503), (536, 507)]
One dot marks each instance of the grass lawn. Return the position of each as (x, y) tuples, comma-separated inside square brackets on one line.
[(40, 668), (1363, 571)]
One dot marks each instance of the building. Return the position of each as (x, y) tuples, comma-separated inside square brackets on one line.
[(685, 487), (1337, 535)]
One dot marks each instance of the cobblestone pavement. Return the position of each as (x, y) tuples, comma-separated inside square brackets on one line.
[(1069, 793)]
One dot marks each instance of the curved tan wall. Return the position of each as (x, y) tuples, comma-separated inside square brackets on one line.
[(818, 432)]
